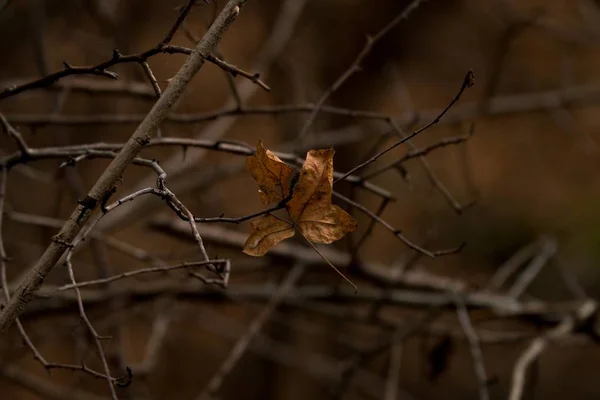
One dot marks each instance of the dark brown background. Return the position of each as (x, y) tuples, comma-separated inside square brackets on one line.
[(531, 172)]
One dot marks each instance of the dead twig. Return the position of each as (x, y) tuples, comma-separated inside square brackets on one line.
[(467, 83)]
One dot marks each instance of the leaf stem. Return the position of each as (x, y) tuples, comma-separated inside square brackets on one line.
[(330, 264)]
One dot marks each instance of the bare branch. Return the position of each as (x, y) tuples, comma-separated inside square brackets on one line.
[(129, 274), (538, 345), (106, 182), (475, 347)]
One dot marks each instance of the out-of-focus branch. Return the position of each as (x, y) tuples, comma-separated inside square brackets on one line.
[(585, 311), (48, 298), (355, 66), (393, 378), (255, 327), (574, 96), (78, 153), (94, 87), (475, 347), (377, 273), (129, 274), (102, 69), (44, 388)]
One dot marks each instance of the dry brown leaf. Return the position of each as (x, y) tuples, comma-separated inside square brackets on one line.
[(267, 231), (272, 175), (310, 207)]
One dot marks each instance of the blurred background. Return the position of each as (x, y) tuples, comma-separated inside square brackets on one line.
[(513, 174)]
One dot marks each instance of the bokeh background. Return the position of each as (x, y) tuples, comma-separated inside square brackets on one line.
[(529, 171)]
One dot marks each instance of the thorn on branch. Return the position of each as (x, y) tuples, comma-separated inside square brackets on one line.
[(235, 71)]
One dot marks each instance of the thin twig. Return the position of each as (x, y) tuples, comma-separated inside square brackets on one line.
[(547, 250), (397, 232), (183, 13), (141, 271), (504, 272), (97, 338), (329, 263), (37, 355), (418, 152), (78, 153), (355, 66), (15, 135), (467, 83), (102, 69), (151, 78)]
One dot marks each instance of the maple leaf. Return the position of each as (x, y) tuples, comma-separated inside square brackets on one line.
[(272, 175), (267, 231), (309, 208)]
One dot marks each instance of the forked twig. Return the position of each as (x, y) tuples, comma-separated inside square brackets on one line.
[(468, 81)]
